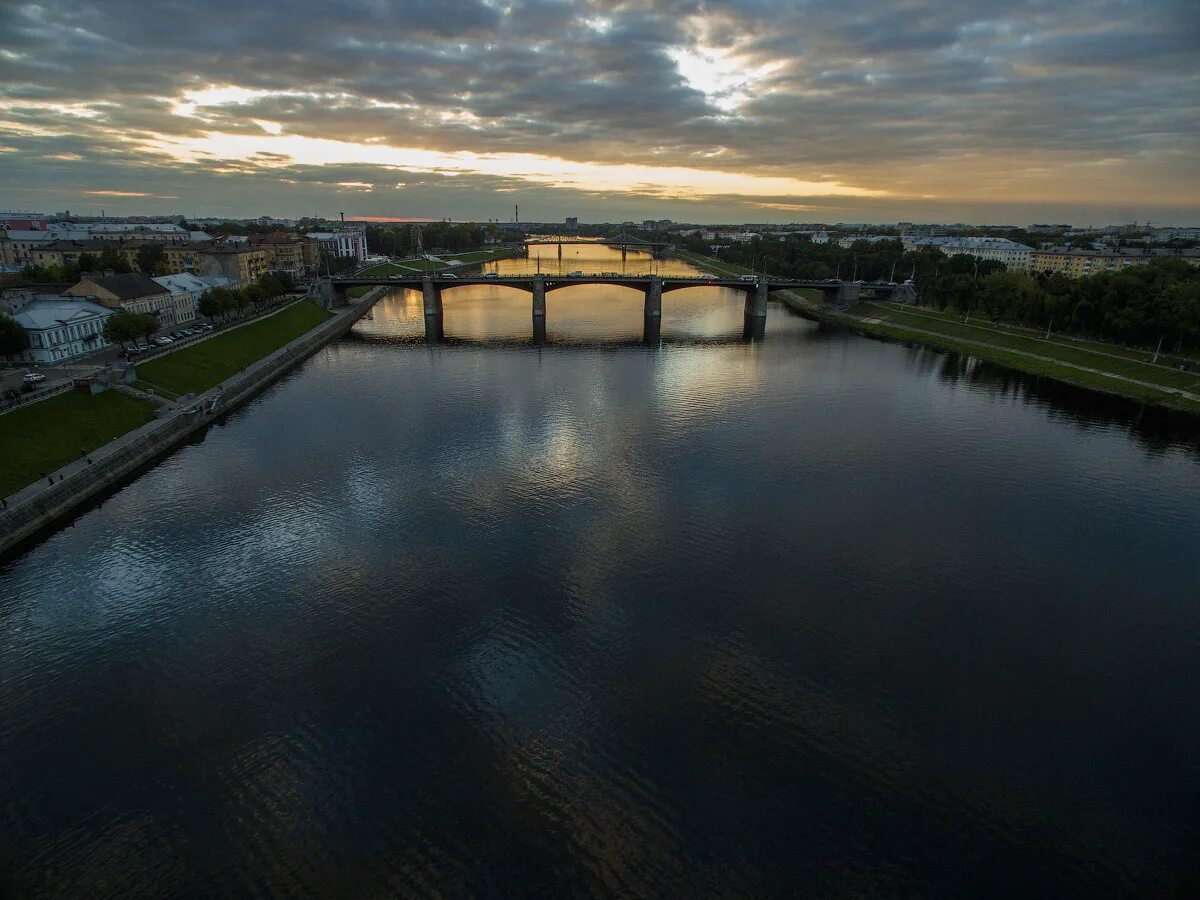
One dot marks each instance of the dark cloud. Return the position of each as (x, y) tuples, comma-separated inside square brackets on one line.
[(949, 105)]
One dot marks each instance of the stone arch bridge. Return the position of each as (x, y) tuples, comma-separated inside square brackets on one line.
[(834, 293)]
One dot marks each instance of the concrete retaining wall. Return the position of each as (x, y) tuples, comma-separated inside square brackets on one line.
[(40, 506)]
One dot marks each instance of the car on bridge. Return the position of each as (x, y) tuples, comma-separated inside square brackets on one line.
[(748, 278)]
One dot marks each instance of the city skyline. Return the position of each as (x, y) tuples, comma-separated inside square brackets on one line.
[(747, 112)]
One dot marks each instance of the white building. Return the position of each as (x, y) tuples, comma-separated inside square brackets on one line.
[(351, 243), (849, 241), (1014, 256), (60, 328), (186, 290), (215, 281)]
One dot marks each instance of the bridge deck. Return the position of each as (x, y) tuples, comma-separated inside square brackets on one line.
[(443, 279)]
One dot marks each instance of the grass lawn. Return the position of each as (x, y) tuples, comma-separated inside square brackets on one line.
[(199, 367), (474, 256), (46, 435), (1071, 353), (708, 264), (421, 265), (1136, 353)]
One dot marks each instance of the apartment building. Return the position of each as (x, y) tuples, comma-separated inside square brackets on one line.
[(1082, 263), (348, 243), (1016, 257), (286, 251), (246, 264)]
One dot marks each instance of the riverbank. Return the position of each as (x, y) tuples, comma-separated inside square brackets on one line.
[(200, 366), (1106, 371), (41, 504), (1089, 364)]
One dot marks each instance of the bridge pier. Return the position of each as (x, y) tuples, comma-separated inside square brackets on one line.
[(431, 295), (847, 295), (539, 310), (755, 320), (652, 320)]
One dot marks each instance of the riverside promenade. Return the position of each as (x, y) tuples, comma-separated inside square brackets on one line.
[(67, 489)]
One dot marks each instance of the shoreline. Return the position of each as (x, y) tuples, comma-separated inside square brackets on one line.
[(1094, 378), (41, 506), (1090, 378)]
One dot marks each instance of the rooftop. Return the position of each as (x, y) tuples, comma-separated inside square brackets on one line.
[(48, 312), (129, 286)]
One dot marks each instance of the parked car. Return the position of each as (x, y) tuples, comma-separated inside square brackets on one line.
[(33, 377), (162, 341)]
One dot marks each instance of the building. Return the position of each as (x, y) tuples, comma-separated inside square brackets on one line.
[(1082, 263), (850, 240), (23, 221), (182, 257), (67, 253), (572, 223), (186, 290), (131, 291), (1016, 257), (246, 264), (286, 251), (60, 329), (349, 243)]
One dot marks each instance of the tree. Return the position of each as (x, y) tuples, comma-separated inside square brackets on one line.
[(13, 338), (287, 283), (88, 262), (36, 274), (122, 327), (150, 257), (112, 258), (256, 294), (270, 285), (148, 324)]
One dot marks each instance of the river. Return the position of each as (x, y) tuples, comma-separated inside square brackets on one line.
[(816, 615)]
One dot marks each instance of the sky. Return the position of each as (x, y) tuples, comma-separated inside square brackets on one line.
[(987, 111)]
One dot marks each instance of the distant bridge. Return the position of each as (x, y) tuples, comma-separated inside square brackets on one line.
[(624, 240), (757, 289)]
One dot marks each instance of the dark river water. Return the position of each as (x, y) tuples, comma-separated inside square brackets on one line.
[(813, 616)]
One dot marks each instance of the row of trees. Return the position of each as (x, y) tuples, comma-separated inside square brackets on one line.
[(13, 338), (402, 240), (151, 259), (222, 303), (1139, 305)]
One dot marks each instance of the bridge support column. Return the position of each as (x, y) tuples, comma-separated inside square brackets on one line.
[(755, 327), (847, 295), (431, 294), (756, 299), (539, 309), (652, 320)]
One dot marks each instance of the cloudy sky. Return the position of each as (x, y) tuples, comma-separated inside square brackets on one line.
[(1008, 111)]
